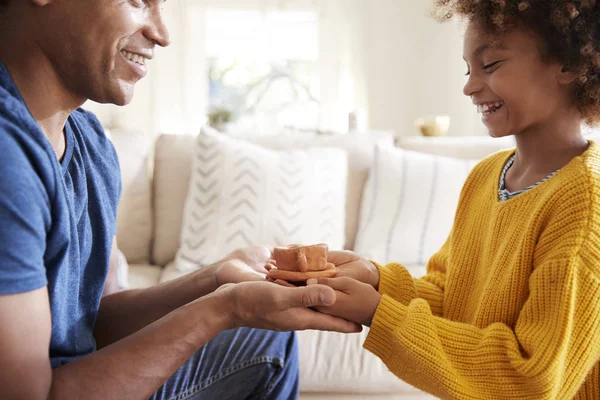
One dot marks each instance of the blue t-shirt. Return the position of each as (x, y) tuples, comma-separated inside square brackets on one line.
[(57, 219)]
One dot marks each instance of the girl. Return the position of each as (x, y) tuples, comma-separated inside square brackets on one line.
[(510, 306)]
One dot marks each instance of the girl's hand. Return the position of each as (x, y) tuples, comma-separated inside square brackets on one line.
[(355, 301), (353, 266)]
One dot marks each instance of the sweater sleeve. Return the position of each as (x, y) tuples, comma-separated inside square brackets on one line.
[(547, 354), (396, 282)]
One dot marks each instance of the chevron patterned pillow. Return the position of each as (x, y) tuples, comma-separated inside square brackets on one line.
[(408, 206), (241, 194)]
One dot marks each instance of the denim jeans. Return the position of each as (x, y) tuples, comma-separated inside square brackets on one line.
[(238, 364)]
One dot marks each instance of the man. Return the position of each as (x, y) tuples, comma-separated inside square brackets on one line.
[(59, 189)]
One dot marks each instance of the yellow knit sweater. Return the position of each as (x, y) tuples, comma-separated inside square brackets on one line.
[(510, 306)]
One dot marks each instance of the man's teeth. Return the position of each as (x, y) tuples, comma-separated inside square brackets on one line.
[(136, 58), (489, 108)]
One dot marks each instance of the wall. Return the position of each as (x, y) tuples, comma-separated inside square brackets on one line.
[(415, 68)]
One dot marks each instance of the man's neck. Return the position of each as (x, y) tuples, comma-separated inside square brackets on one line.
[(45, 93)]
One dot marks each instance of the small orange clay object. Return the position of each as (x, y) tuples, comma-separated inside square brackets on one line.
[(298, 263)]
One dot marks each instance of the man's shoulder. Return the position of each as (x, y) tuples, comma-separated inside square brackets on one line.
[(27, 166), (25, 150), (14, 114)]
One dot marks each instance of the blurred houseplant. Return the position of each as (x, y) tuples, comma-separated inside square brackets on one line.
[(219, 117)]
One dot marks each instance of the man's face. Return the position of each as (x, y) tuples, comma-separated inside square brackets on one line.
[(99, 47)]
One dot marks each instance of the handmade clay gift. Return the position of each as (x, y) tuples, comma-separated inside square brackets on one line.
[(297, 263)]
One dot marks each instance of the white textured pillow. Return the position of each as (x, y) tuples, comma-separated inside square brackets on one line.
[(242, 194), (408, 205)]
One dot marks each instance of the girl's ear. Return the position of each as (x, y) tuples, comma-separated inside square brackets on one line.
[(566, 76)]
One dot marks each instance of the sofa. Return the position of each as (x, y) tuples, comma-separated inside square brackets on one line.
[(156, 174)]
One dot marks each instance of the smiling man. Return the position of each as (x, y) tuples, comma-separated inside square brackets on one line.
[(59, 190)]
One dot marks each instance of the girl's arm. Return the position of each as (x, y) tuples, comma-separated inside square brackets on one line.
[(396, 282), (547, 355)]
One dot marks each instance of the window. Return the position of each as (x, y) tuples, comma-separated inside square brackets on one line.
[(263, 70)]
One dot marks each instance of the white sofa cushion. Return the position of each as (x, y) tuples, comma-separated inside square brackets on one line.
[(360, 149), (242, 194), (143, 276), (134, 216), (409, 205), (173, 165), (172, 171)]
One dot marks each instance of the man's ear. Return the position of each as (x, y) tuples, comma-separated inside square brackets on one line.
[(566, 76)]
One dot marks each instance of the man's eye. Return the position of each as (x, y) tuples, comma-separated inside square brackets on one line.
[(137, 3)]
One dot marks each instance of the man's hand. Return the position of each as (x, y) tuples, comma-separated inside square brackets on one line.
[(265, 305), (355, 301), (353, 266), (243, 265)]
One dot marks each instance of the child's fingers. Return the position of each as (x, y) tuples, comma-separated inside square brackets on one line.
[(280, 282), (341, 284), (284, 283), (270, 265)]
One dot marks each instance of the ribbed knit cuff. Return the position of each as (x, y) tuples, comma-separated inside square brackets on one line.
[(388, 317), (396, 282)]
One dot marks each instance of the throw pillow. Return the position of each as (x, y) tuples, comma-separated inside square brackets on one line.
[(242, 194), (408, 206)]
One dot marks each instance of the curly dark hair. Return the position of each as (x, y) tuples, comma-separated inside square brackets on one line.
[(570, 30)]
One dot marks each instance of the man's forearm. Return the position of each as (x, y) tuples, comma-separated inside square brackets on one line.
[(124, 313), (135, 367)]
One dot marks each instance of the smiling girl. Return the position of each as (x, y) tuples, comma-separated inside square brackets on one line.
[(510, 306)]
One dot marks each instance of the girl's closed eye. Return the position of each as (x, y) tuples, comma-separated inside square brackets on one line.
[(491, 67)]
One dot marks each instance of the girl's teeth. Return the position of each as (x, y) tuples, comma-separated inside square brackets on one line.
[(490, 108)]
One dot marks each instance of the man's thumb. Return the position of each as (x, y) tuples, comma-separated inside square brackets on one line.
[(317, 295)]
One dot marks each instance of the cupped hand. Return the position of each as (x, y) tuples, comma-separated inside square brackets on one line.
[(244, 265), (265, 305)]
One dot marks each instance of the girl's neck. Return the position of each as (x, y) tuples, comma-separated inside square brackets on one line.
[(544, 148)]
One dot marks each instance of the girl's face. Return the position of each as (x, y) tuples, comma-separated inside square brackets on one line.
[(513, 88)]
